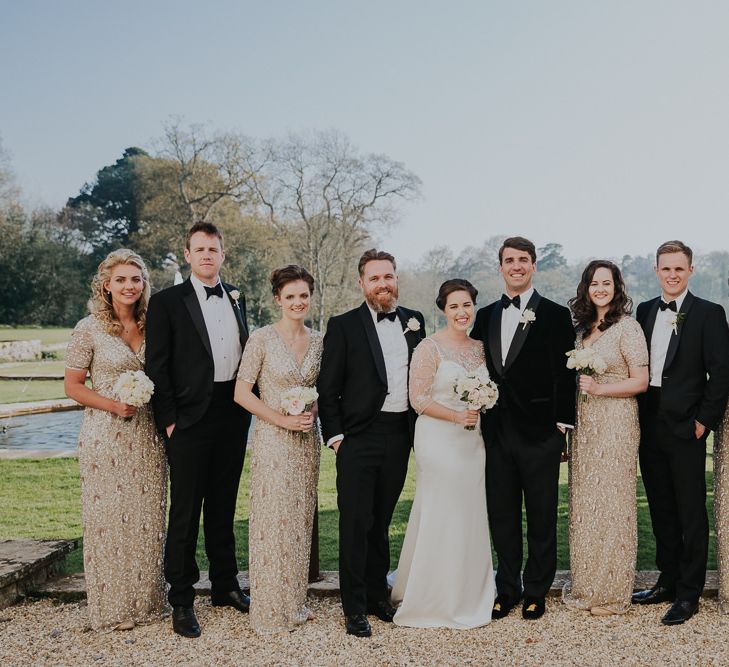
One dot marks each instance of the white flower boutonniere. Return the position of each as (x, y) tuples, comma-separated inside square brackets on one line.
[(412, 325), (235, 295), (675, 321), (527, 317)]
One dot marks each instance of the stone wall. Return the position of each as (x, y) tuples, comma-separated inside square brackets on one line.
[(20, 350)]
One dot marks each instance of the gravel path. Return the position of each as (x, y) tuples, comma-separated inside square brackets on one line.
[(45, 633)]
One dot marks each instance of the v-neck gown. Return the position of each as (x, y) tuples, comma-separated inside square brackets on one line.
[(123, 488), (284, 477)]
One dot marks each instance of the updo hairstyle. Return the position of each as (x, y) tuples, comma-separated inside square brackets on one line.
[(289, 274), (454, 285)]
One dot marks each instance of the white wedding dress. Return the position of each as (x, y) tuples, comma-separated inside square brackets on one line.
[(445, 576)]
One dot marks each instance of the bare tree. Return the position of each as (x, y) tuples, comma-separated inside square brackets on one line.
[(328, 200)]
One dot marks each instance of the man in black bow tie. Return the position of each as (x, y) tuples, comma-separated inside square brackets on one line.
[(367, 420), (688, 341), (196, 332), (526, 338)]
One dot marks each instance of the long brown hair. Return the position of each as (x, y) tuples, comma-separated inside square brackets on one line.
[(584, 311)]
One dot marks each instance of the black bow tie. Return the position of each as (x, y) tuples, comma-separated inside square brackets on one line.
[(506, 301), (671, 305), (386, 316), (214, 291)]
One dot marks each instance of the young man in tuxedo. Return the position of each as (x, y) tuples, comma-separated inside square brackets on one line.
[(367, 420), (196, 332), (526, 338), (688, 341)]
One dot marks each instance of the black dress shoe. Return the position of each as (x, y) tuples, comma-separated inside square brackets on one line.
[(533, 608), (184, 622), (502, 607), (654, 595), (680, 611), (382, 609), (236, 599), (358, 625)]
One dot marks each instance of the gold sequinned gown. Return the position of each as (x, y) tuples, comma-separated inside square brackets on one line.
[(721, 509), (283, 485), (123, 489), (602, 479)]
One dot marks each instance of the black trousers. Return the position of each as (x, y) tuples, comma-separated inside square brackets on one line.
[(206, 461), (371, 470), (673, 471), (520, 469)]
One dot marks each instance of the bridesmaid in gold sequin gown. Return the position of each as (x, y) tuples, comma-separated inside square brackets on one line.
[(721, 509), (603, 514), (285, 456), (121, 458)]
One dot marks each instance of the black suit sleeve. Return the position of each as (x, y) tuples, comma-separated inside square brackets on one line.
[(716, 361), (563, 340), (331, 380), (477, 332), (159, 352), (421, 319)]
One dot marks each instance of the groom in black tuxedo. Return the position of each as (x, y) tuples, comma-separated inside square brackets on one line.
[(526, 338), (196, 332), (688, 339), (367, 420)]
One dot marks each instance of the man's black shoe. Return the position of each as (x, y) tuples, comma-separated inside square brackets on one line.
[(382, 609), (654, 595), (358, 625), (532, 609), (236, 599), (502, 607), (184, 622), (680, 611)]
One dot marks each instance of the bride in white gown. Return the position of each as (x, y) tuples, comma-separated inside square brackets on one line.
[(445, 575)]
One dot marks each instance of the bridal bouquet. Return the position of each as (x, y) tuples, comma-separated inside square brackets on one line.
[(586, 362), (477, 391), (298, 399), (134, 388)]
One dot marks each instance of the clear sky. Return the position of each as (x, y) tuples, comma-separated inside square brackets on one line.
[(603, 126)]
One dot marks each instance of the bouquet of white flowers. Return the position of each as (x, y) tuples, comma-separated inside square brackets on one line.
[(134, 388), (586, 362), (477, 391), (298, 399)]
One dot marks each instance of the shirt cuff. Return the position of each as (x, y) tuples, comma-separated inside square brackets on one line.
[(571, 426), (331, 441)]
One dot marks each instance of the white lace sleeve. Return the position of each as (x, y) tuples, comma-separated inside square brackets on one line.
[(423, 367)]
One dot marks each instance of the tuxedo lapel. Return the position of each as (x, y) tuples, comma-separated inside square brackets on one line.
[(242, 328), (494, 337), (412, 338), (193, 306), (650, 321), (522, 331), (374, 341), (676, 337)]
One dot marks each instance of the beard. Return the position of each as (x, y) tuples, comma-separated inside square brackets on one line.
[(382, 301)]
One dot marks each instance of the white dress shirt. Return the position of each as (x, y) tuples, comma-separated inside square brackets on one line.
[(395, 352), (660, 338), (223, 331), (510, 320)]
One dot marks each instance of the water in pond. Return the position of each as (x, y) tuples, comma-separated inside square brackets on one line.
[(46, 432)]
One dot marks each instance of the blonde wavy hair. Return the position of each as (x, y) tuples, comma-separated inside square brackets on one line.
[(100, 302)]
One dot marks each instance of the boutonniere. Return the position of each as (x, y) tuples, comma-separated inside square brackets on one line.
[(412, 325), (676, 321), (235, 295), (527, 317)]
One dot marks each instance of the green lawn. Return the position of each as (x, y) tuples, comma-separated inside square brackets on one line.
[(40, 499), (22, 391), (46, 335), (53, 367)]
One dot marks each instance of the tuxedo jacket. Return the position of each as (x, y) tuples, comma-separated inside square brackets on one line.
[(352, 381), (695, 378), (535, 385), (179, 357)]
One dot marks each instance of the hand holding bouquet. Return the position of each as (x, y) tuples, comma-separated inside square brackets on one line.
[(297, 401), (477, 391), (586, 362), (134, 388)]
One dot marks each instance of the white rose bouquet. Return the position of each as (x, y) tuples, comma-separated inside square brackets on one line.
[(477, 391), (134, 388), (586, 362), (298, 399)]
